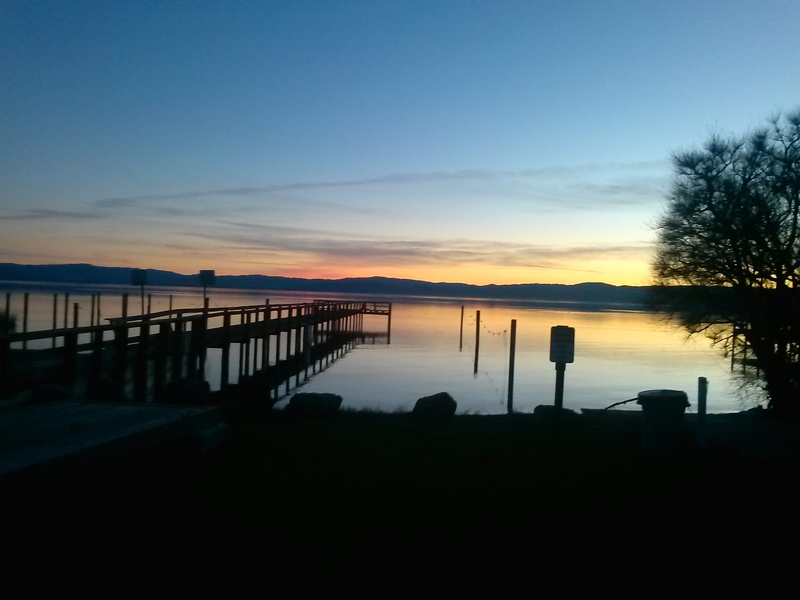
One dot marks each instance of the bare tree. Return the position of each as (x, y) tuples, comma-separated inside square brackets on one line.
[(727, 258)]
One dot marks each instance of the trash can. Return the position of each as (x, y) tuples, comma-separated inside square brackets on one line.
[(662, 419)]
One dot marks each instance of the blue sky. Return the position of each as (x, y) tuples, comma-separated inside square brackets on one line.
[(481, 142)]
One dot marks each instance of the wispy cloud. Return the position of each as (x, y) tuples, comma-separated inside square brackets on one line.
[(567, 177), (46, 214), (331, 248)]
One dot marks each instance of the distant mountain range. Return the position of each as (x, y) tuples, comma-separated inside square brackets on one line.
[(582, 293)]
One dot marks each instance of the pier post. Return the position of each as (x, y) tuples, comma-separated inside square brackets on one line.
[(178, 342), (314, 338), (96, 370), (265, 346), (242, 345), (55, 317), (297, 333), (251, 333), (246, 320), (25, 320), (5, 350), (140, 379), (121, 344), (70, 358), (162, 352), (510, 405), (461, 332), (203, 350), (226, 351), (477, 339), (197, 351), (287, 363), (277, 369)]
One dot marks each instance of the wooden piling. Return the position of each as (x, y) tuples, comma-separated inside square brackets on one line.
[(178, 342), (69, 358), (477, 338), (140, 376), (25, 320), (162, 354), (55, 317), (297, 345), (226, 351), (461, 331), (511, 356), (277, 367), (265, 345)]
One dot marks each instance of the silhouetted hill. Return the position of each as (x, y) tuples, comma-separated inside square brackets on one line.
[(582, 293)]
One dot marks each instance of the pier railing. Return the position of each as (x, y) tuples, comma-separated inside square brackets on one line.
[(142, 354)]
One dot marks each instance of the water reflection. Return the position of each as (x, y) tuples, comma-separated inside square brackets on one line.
[(617, 353)]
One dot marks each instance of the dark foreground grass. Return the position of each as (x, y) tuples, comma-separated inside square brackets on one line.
[(371, 494)]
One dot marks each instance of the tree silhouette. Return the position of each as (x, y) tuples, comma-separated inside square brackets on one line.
[(727, 260)]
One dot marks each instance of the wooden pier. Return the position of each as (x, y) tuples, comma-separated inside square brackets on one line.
[(148, 356), (77, 397)]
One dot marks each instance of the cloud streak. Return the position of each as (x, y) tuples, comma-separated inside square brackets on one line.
[(48, 215), (328, 248), (568, 177)]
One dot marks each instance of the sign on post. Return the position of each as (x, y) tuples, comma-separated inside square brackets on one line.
[(562, 351), (562, 344), (207, 278), (138, 277)]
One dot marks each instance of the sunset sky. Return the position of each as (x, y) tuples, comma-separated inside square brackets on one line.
[(464, 141)]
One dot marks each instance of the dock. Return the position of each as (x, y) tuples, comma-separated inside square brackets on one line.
[(73, 397)]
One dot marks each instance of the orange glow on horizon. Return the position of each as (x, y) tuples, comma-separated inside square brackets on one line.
[(618, 273), (466, 274)]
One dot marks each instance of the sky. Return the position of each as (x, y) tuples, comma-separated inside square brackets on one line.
[(462, 141)]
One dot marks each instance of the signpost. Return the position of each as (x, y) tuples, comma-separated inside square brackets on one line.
[(139, 277), (562, 351), (207, 278)]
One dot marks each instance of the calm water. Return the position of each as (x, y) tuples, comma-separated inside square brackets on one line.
[(432, 349)]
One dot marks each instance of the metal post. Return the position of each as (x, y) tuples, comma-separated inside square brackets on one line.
[(560, 368)]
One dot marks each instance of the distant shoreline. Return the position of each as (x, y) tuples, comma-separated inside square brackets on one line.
[(587, 296)]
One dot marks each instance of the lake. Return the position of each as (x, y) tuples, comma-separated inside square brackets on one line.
[(617, 353)]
